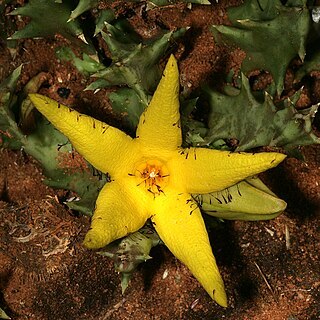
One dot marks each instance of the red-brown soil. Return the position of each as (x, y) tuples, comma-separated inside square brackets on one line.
[(271, 269)]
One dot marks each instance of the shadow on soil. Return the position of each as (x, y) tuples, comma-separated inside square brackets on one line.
[(229, 255), (300, 207)]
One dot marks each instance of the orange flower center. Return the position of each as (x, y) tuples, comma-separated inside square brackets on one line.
[(152, 175)]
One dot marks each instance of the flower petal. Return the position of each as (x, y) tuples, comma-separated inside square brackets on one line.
[(105, 147), (200, 170), (120, 210), (179, 223), (159, 126), (242, 201)]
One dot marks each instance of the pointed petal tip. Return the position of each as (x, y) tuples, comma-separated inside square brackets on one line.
[(279, 206), (172, 59), (221, 299), (267, 160), (218, 294), (188, 240), (277, 158), (280, 156), (282, 206), (171, 66), (93, 241)]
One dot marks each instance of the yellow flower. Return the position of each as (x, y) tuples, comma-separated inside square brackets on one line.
[(154, 177)]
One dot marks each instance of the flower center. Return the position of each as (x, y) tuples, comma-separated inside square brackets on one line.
[(153, 175)]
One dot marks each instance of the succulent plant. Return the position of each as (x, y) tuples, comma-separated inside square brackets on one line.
[(130, 251), (48, 25), (87, 65), (152, 175), (135, 71), (135, 63), (312, 63), (5, 23), (47, 145), (85, 5), (263, 123), (264, 30), (82, 6)]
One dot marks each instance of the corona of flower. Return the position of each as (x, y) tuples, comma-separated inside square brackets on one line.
[(153, 177)]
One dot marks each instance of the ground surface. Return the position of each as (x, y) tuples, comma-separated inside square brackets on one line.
[(271, 269)]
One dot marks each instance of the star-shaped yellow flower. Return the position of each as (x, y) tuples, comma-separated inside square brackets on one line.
[(154, 177)]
